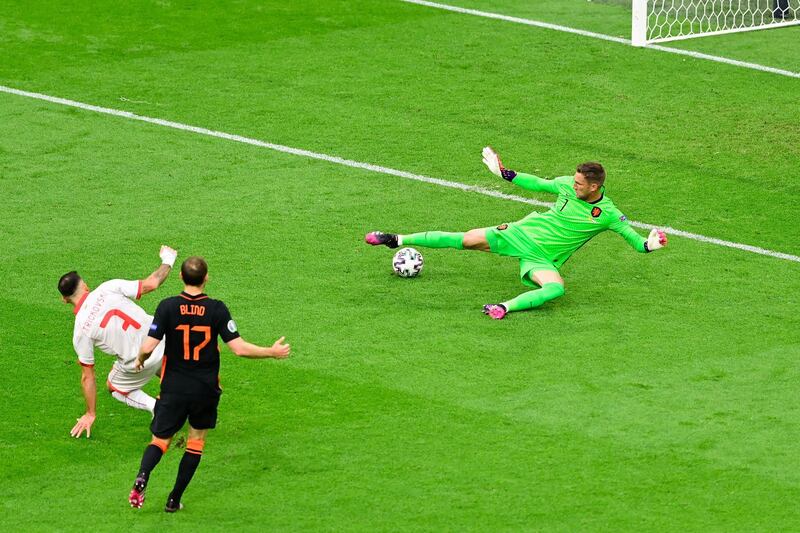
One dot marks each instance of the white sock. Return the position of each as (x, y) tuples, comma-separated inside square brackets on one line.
[(138, 399), (399, 240)]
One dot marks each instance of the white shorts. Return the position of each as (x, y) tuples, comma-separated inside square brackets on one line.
[(123, 379)]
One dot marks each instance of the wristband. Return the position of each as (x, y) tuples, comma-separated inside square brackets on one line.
[(507, 174)]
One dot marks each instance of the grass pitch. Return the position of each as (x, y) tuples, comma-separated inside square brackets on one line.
[(660, 393)]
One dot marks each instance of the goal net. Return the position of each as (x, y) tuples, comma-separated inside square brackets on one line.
[(668, 20)]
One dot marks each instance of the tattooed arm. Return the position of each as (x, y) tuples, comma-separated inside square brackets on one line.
[(155, 279)]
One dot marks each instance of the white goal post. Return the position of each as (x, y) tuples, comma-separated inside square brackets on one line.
[(657, 21)]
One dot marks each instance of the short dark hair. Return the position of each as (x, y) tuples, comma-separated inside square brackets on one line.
[(593, 172), (194, 271), (68, 284)]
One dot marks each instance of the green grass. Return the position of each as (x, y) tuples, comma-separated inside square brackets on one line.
[(777, 48), (658, 394)]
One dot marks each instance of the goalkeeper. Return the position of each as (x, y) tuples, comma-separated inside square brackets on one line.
[(541, 241)]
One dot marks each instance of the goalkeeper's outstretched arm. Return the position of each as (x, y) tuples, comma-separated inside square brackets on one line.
[(526, 181), (657, 238)]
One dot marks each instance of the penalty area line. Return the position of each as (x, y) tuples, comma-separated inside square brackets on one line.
[(372, 168)]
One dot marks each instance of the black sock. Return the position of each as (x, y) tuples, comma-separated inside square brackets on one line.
[(152, 455), (186, 470)]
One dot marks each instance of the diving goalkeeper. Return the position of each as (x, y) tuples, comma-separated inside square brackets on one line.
[(541, 241)]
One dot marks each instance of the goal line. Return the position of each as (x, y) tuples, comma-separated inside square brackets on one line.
[(604, 37)]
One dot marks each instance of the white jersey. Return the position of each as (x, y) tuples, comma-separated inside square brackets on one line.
[(107, 318)]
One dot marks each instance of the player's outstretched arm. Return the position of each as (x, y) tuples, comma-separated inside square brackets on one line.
[(492, 161), (148, 345), (242, 348), (657, 238), (527, 181), (154, 280), (89, 388)]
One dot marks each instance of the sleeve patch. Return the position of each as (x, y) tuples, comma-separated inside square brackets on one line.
[(623, 218), (231, 326)]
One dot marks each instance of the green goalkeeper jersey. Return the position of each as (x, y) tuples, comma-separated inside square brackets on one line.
[(570, 223)]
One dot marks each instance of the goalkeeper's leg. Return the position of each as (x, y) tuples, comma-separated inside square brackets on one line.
[(472, 240), (552, 286), (532, 299), (525, 301), (433, 239)]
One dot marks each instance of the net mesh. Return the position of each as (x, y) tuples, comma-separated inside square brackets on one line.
[(668, 19)]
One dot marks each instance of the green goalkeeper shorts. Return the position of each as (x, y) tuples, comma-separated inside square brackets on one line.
[(504, 240)]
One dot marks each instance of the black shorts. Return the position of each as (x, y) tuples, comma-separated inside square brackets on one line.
[(172, 410)]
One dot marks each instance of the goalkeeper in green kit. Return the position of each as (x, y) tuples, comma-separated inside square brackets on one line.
[(542, 241)]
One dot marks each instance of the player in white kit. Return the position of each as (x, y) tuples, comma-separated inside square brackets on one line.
[(108, 318)]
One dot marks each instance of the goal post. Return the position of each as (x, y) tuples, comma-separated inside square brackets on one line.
[(658, 21)]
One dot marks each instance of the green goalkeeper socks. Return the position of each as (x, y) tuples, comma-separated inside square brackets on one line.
[(435, 239), (531, 299)]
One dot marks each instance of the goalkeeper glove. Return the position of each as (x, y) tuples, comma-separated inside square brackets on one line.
[(167, 255), (657, 239), (492, 160)]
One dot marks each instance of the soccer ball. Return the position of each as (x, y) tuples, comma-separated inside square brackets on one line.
[(407, 263)]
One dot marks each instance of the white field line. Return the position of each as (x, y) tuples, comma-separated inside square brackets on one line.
[(593, 35), (372, 168)]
